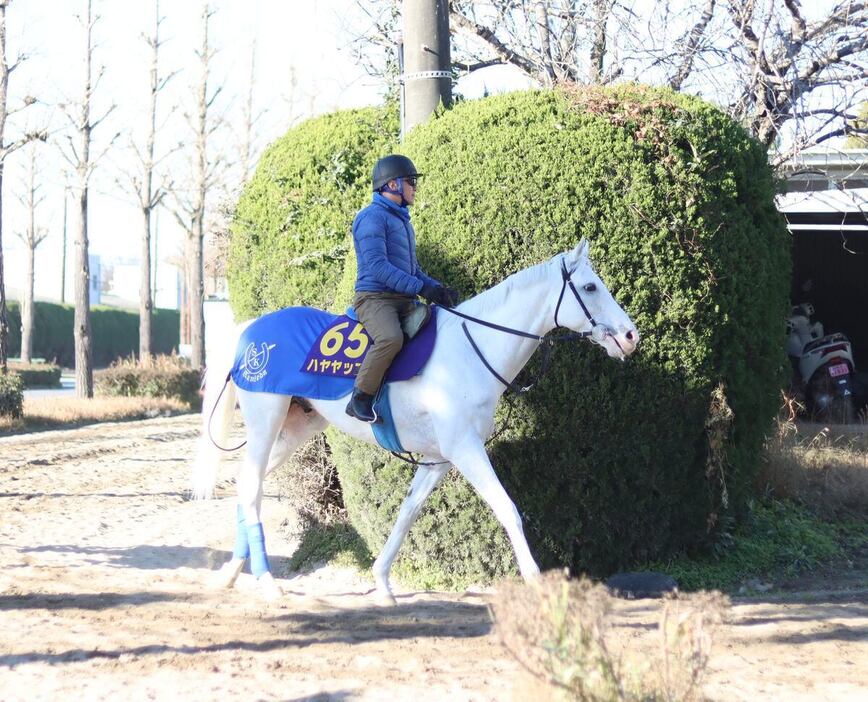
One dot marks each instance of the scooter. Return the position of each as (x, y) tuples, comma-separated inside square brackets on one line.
[(824, 366)]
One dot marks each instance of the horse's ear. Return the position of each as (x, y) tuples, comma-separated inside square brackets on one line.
[(575, 256)]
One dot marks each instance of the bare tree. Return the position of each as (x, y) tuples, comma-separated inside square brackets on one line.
[(785, 59), (250, 117), (189, 205), (78, 155), (793, 75), (140, 183), (7, 148), (32, 237)]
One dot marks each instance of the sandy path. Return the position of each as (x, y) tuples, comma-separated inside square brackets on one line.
[(103, 595)]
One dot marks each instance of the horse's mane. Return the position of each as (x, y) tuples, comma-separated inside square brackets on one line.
[(495, 297)]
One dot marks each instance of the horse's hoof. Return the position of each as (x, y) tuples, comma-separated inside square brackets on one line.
[(385, 598), (269, 588), (227, 575)]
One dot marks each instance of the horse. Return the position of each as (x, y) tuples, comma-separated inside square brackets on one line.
[(445, 413)]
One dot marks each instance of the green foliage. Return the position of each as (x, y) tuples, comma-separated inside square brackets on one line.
[(166, 377), (291, 231), (859, 141), (610, 464), (11, 396), (115, 333), (37, 375), (778, 539)]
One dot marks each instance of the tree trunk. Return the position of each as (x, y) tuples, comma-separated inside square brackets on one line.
[(27, 309), (81, 329), (146, 302), (196, 294), (4, 318)]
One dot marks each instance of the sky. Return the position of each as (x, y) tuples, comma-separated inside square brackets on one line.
[(305, 40)]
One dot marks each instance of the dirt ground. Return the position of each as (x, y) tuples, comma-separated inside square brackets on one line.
[(104, 594)]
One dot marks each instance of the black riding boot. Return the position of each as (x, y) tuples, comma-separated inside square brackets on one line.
[(361, 407)]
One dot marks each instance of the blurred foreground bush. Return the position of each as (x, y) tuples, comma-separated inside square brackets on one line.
[(11, 396)]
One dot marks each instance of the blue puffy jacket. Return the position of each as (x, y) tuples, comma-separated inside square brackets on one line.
[(385, 246)]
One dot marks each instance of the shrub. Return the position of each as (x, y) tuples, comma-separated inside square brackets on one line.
[(165, 376), (35, 375), (562, 632), (610, 464), (290, 233), (11, 396)]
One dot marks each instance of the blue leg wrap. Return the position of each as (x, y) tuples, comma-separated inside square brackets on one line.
[(242, 548), (258, 557)]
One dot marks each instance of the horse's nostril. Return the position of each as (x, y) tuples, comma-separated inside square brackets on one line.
[(630, 336)]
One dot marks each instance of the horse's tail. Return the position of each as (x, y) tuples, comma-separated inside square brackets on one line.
[(218, 407)]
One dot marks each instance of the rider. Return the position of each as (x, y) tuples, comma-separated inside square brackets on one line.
[(389, 276)]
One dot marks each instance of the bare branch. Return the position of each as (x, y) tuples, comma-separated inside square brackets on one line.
[(691, 47)]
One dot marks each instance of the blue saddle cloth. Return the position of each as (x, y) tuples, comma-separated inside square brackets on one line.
[(306, 352)]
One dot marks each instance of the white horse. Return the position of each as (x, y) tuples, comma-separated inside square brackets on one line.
[(445, 413)]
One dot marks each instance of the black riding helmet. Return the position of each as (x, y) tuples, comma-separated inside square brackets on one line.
[(392, 167)]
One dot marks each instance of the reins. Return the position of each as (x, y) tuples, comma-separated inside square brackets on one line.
[(211, 416), (547, 343)]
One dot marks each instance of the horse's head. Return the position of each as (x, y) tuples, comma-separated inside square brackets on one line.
[(586, 305)]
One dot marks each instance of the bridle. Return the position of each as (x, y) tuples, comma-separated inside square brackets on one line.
[(546, 342)]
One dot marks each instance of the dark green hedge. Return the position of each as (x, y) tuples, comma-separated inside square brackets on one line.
[(611, 464), (115, 333), (290, 233), (128, 381), (36, 375)]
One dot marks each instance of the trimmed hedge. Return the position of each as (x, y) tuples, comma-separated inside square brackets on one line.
[(115, 333), (290, 233), (11, 396), (610, 464), (163, 379), (35, 375)]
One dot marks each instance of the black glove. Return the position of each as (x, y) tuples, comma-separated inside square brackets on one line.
[(450, 297), (439, 295)]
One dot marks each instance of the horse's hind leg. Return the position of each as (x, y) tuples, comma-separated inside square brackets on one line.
[(473, 463), (424, 482)]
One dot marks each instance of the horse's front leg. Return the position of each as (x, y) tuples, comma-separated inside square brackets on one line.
[(473, 463), (424, 482), (264, 414)]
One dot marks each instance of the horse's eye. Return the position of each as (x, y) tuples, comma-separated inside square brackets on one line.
[(591, 287)]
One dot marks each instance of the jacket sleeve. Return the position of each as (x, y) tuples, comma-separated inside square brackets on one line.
[(425, 278), (370, 236)]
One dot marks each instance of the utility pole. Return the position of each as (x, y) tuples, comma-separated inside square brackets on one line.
[(426, 66)]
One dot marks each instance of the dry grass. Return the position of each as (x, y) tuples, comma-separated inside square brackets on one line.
[(65, 412), (161, 362), (560, 630), (824, 467)]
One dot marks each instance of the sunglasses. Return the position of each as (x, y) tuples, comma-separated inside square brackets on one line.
[(411, 181)]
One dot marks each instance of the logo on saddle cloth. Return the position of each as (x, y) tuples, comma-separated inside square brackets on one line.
[(253, 367)]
